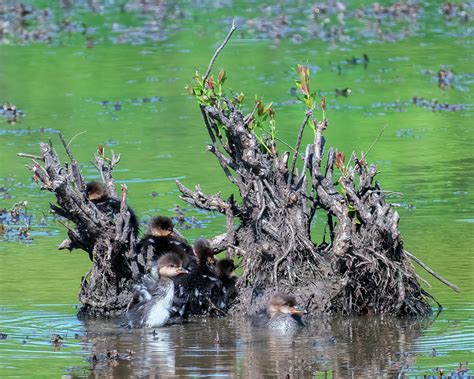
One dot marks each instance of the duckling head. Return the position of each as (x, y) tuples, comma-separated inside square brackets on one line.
[(203, 251), (160, 226), (225, 268), (95, 191), (170, 265), (283, 304)]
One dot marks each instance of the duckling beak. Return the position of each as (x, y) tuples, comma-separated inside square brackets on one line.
[(297, 311), (181, 270)]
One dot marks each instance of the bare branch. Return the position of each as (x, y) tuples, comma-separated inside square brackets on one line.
[(219, 49), (200, 200), (23, 155), (297, 146), (454, 287)]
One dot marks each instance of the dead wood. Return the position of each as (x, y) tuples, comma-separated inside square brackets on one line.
[(362, 270), (107, 236)]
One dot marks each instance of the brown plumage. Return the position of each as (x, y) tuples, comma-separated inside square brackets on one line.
[(225, 268), (163, 239), (203, 251)]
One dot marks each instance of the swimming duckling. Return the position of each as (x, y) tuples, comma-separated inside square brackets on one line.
[(97, 193), (153, 298), (162, 237), (281, 314)]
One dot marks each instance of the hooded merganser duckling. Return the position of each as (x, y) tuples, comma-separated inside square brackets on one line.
[(281, 314), (162, 237), (228, 291), (194, 291), (97, 193), (225, 268), (204, 252), (153, 298)]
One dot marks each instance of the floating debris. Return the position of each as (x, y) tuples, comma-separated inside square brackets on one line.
[(345, 92), (445, 78), (101, 361), (364, 60), (20, 132), (3, 336), (434, 105), (56, 339), (11, 113), (15, 223), (25, 24), (459, 11)]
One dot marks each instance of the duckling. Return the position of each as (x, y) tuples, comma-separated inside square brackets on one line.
[(162, 237), (204, 252), (281, 314), (226, 285), (195, 291), (97, 193), (153, 298), (225, 268)]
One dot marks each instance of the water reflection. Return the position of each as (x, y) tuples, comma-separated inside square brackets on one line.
[(231, 347)]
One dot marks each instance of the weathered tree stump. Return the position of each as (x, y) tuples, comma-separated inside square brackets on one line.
[(107, 237), (362, 269)]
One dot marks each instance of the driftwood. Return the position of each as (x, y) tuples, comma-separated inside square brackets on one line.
[(362, 268)]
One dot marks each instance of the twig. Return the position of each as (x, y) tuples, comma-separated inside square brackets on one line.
[(66, 147), (77, 135), (286, 144), (23, 155), (219, 49), (297, 146), (74, 167), (213, 306), (373, 143), (424, 281), (454, 287)]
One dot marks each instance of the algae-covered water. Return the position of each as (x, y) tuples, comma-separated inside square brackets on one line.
[(130, 97)]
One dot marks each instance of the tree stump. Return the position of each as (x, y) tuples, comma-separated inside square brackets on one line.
[(108, 237), (361, 269)]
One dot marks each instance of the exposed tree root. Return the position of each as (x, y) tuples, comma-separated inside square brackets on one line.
[(363, 269)]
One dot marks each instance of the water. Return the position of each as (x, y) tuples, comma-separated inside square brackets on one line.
[(131, 98)]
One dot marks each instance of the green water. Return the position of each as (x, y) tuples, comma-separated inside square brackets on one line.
[(423, 154)]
